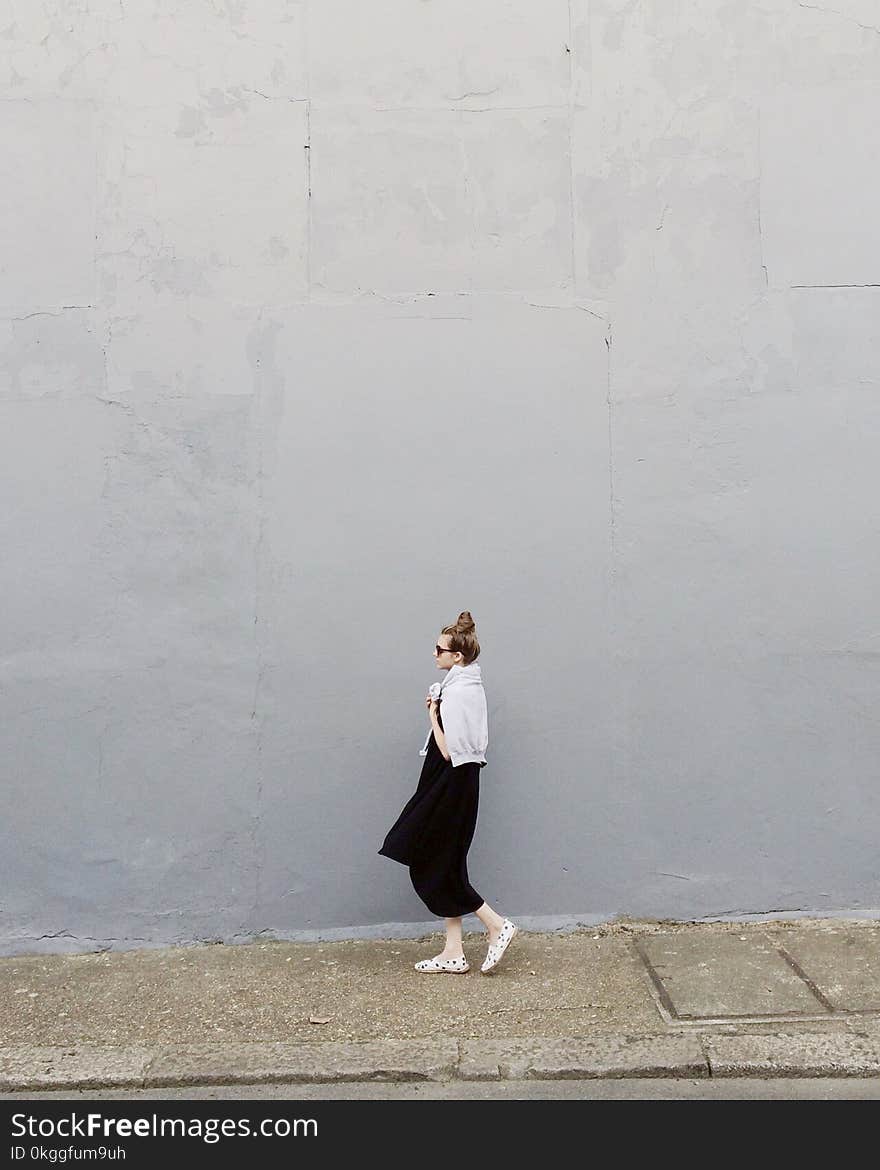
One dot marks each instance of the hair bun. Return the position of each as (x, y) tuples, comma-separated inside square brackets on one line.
[(463, 637)]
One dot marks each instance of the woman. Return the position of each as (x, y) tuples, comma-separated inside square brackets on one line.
[(434, 831)]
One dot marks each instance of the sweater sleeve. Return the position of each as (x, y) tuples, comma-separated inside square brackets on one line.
[(464, 723)]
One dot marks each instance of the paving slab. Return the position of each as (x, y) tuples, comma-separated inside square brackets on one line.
[(603, 1056), (843, 963), (703, 976), (242, 1064), (800, 1055), (36, 1066)]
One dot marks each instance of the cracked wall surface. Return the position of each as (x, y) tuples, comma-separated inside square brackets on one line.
[(322, 321)]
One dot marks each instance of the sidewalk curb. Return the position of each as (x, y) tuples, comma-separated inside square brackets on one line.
[(828, 1054), (80, 1067), (583, 1058)]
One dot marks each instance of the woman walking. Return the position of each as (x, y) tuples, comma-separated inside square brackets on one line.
[(434, 831)]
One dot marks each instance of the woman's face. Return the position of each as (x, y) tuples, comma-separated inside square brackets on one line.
[(447, 659)]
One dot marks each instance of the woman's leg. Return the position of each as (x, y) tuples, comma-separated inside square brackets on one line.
[(453, 949), (492, 922)]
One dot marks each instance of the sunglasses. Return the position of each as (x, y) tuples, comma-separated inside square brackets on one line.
[(444, 650)]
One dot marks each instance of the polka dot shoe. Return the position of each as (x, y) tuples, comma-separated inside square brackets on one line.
[(505, 938), (452, 966)]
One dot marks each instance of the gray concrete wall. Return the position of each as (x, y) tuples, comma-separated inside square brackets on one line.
[(323, 321)]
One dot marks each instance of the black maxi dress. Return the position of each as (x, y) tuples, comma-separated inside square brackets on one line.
[(434, 831)]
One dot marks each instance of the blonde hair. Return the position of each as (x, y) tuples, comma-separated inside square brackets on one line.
[(463, 637)]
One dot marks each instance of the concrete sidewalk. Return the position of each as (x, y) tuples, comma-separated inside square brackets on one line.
[(628, 999)]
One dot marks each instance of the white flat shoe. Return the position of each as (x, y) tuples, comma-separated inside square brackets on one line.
[(493, 956), (452, 966)]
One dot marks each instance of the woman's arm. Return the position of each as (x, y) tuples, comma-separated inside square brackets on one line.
[(438, 732)]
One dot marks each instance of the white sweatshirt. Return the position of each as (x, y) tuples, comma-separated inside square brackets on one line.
[(464, 714)]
